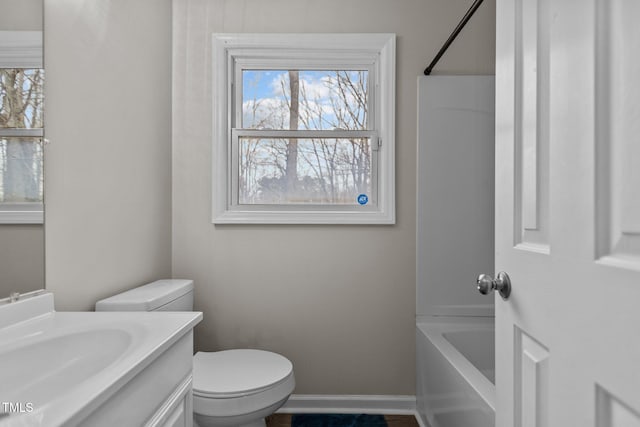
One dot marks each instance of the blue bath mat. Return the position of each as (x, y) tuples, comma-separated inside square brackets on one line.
[(337, 420)]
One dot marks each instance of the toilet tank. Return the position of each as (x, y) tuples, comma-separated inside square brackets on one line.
[(161, 295)]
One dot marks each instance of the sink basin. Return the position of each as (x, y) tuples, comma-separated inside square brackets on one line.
[(59, 362)]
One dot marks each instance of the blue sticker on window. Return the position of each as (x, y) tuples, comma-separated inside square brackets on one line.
[(363, 199)]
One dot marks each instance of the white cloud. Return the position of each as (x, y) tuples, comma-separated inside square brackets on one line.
[(272, 112)]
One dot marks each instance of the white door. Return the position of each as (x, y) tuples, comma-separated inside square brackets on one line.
[(568, 212)]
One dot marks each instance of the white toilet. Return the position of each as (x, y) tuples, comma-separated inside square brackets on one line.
[(230, 388)]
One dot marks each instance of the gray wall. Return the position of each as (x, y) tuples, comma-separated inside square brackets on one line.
[(21, 246), (20, 15), (108, 166), (339, 301), (21, 258)]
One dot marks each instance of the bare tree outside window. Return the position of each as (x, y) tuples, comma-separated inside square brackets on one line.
[(21, 157), (300, 170)]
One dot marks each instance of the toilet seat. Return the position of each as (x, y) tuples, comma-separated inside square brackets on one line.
[(235, 373), (234, 383)]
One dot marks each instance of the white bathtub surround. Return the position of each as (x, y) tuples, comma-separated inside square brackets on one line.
[(455, 194), (455, 210), (93, 368)]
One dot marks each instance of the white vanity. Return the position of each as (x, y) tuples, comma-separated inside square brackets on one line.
[(94, 369)]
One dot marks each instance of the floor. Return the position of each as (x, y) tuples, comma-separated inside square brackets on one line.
[(284, 420)]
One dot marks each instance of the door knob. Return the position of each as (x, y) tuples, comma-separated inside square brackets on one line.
[(501, 283)]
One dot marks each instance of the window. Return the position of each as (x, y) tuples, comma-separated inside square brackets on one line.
[(21, 127), (303, 128)]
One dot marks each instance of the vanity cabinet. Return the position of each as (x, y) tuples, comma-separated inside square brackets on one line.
[(181, 415), (94, 369), (159, 395)]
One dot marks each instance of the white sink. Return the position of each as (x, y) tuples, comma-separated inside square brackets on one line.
[(57, 368), (71, 358)]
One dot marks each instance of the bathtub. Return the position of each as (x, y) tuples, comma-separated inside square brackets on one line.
[(456, 371)]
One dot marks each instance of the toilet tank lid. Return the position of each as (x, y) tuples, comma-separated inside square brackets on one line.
[(148, 297)]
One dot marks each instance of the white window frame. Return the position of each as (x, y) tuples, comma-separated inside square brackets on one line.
[(21, 49), (374, 52)]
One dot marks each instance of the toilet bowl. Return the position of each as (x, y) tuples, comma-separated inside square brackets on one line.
[(236, 388)]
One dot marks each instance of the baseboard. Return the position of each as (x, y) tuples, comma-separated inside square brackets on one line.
[(349, 404)]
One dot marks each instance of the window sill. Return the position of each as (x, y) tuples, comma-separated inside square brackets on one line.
[(21, 213), (304, 217)]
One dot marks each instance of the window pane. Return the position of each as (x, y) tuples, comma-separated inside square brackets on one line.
[(304, 171), (20, 170), (21, 98), (322, 99)]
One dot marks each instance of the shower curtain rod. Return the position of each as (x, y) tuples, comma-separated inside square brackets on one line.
[(453, 35)]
